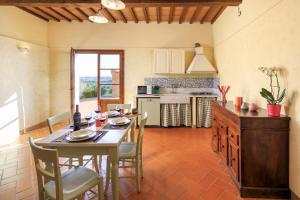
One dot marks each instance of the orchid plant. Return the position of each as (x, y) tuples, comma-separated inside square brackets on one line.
[(274, 95)]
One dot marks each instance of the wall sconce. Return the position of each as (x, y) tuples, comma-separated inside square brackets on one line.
[(23, 48)]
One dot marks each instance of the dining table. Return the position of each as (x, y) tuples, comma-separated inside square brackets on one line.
[(107, 144)]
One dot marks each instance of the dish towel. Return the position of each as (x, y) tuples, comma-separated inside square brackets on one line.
[(176, 115), (204, 112)]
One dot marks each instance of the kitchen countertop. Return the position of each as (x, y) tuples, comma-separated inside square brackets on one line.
[(174, 94)]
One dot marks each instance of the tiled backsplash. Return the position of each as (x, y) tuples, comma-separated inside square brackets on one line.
[(183, 82)]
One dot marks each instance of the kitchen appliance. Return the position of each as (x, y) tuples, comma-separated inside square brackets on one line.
[(200, 63), (149, 89), (142, 89)]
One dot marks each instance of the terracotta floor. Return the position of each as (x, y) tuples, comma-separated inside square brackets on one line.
[(178, 164)]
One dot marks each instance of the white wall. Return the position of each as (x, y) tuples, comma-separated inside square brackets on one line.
[(24, 78), (138, 41), (267, 34)]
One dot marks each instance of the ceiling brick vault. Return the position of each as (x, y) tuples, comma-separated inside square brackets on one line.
[(170, 11)]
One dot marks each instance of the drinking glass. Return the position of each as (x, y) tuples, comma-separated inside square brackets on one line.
[(97, 111), (88, 117), (118, 108)]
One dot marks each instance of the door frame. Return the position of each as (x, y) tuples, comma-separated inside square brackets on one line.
[(96, 51)]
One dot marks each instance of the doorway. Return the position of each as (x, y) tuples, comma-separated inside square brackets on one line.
[(97, 79)]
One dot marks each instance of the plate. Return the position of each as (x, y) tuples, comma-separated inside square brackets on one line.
[(119, 121), (113, 113), (83, 133), (70, 139)]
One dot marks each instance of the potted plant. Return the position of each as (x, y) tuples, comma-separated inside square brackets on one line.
[(156, 89), (274, 96)]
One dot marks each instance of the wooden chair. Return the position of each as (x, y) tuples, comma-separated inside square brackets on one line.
[(131, 152), (67, 117), (56, 119), (121, 106), (69, 185)]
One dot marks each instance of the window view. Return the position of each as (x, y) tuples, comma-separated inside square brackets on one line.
[(110, 76), (88, 66), (86, 90)]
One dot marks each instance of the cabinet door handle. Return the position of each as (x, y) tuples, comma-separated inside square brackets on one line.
[(223, 145), (232, 135), (232, 159)]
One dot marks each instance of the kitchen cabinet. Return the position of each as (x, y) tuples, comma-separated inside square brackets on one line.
[(223, 143), (169, 61), (161, 61), (215, 140), (152, 107), (255, 149)]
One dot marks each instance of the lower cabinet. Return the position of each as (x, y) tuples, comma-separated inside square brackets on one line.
[(152, 107), (215, 136), (234, 160), (255, 149), (223, 143)]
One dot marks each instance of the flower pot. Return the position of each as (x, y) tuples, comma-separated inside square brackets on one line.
[(155, 91), (274, 110)]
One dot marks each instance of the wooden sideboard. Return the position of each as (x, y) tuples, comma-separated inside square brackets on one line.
[(255, 148)]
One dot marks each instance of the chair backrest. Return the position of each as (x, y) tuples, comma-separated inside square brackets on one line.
[(141, 134), (66, 116), (47, 168), (121, 106)]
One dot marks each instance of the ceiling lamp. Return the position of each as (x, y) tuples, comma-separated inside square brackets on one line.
[(98, 18), (113, 4)]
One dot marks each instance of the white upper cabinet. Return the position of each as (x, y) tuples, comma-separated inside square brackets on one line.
[(169, 61), (177, 63), (161, 61)]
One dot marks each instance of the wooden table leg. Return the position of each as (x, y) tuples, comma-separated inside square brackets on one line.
[(115, 175), (132, 131)]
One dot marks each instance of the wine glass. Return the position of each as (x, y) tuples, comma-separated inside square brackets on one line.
[(88, 117), (97, 111), (118, 108)]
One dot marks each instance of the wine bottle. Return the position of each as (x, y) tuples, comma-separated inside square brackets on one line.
[(77, 119)]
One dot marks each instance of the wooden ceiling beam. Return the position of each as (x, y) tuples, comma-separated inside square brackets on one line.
[(134, 15), (48, 14), (112, 18), (145, 9), (183, 15), (123, 16), (82, 12), (196, 13), (158, 14), (205, 16), (33, 13), (171, 14), (141, 3), (218, 14), (60, 14), (71, 13)]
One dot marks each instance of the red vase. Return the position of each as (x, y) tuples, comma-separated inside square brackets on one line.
[(274, 110)]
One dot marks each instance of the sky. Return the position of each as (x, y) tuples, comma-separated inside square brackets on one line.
[(86, 64)]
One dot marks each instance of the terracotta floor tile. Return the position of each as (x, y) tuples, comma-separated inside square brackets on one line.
[(212, 193), (207, 180), (8, 194), (9, 172), (8, 186), (178, 165), (25, 194), (228, 196)]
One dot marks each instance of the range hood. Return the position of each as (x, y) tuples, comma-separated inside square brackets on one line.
[(200, 63)]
